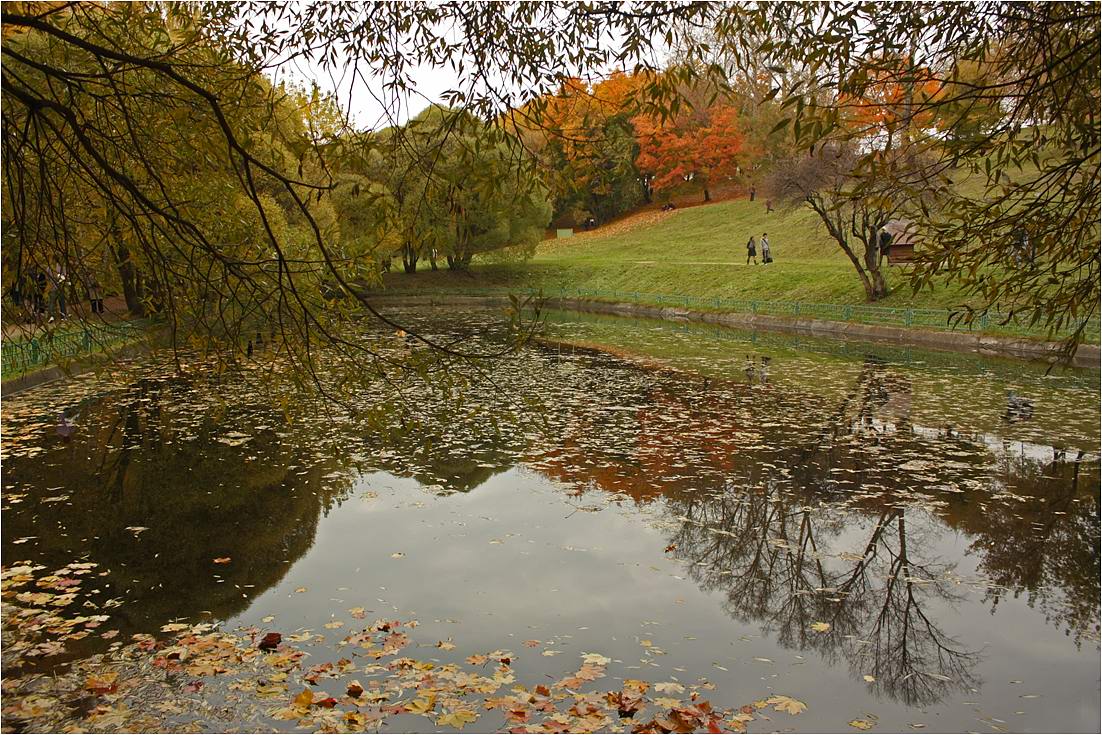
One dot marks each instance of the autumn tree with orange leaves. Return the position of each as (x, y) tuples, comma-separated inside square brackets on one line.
[(696, 149), (586, 144)]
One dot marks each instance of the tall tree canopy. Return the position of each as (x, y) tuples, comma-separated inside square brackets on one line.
[(136, 136)]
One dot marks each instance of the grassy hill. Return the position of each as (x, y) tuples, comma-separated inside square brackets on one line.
[(697, 251)]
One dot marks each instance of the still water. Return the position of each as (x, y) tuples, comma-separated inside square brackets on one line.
[(905, 539)]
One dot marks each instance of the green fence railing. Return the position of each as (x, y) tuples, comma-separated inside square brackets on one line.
[(25, 353), (941, 319)]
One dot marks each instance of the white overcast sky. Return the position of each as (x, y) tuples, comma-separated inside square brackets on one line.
[(365, 103)]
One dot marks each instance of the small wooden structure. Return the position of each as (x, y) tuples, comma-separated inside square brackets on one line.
[(901, 246)]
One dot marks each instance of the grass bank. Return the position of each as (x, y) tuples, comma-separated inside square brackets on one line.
[(697, 257)]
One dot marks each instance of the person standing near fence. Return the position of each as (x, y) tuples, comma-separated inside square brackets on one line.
[(57, 291), (95, 295), (766, 256), (39, 282), (751, 251)]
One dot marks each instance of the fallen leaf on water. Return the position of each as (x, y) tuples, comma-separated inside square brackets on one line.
[(869, 678), (304, 699), (669, 687), (820, 627), (269, 641), (397, 555), (355, 689), (423, 705), (784, 703), (861, 724), (445, 645), (459, 718), (101, 683), (223, 560)]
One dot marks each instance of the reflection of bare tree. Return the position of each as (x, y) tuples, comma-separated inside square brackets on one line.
[(1048, 550), (912, 659), (767, 553), (770, 551)]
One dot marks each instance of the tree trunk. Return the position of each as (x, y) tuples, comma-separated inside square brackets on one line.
[(879, 284), (707, 195), (409, 258), (837, 230), (460, 261), (130, 277)]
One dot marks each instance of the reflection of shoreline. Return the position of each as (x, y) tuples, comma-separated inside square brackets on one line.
[(727, 346), (834, 345), (997, 445)]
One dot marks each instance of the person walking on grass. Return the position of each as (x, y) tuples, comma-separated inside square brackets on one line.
[(765, 255), (752, 251)]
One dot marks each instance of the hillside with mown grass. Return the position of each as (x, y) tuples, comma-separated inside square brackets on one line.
[(697, 251)]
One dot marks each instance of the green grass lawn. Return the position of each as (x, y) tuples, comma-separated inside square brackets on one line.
[(698, 252)]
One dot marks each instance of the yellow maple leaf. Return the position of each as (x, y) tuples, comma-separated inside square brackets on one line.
[(820, 627), (458, 718), (304, 699), (423, 705), (783, 703), (861, 724), (100, 683)]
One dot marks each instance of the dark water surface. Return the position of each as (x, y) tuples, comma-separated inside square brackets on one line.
[(903, 537)]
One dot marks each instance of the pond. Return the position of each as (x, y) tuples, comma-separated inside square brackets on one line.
[(828, 535)]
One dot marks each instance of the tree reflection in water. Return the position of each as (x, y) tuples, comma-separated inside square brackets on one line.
[(154, 490), (789, 544)]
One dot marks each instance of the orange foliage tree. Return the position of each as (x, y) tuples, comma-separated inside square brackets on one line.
[(585, 140), (697, 148)]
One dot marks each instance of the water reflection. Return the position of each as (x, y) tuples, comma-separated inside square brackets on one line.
[(153, 496), (849, 503), (838, 518)]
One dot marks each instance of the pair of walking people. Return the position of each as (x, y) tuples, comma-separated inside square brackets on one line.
[(752, 250)]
